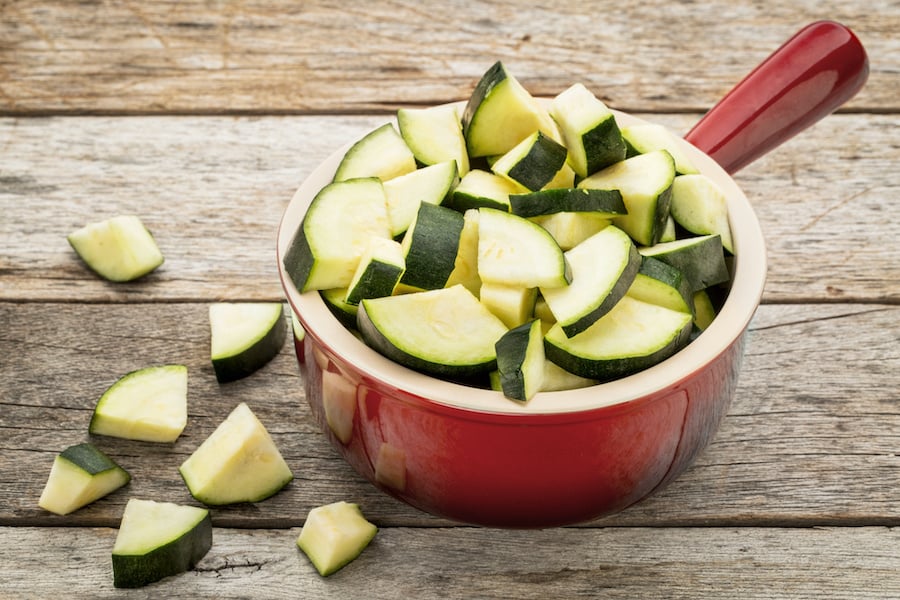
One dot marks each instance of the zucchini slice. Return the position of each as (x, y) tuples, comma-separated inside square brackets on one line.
[(603, 268), (238, 462), (80, 474), (645, 182), (381, 153), (647, 137), (520, 361), (514, 251), (501, 113), (589, 130), (118, 249), (432, 184), (606, 203), (434, 135), (698, 205), (445, 332), (480, 188), (379, 271), (335, 233), (334, 535), (149, 404), (701, 259), (465, 269), (557, 379), (158, 540), (571, 228), (633, 336), (704, 311), (430, 246), (532, 163), (662, 284), (514, 305), (244, 336)]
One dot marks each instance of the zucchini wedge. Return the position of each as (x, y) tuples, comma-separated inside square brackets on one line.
[(148, 404), (244, 337), (662, 284), (606, 203), (381, 153), (432, 184), (80, 474), (514, 305), (480, 188), (532, 163), (379, 271), (701, 259), (430, 246), (698, 205), (647, 137), (520, 361), (158, 540), (434, 135), (589, 130), (334, 535), (118, 249), (465, 269), (571, 228)]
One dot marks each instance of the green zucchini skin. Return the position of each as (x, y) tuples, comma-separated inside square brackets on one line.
[(660, 283), (603, 145), (546, 202), (520, 361), (540, 164), (432, 246), (242, 364), (89, 458), (335, 301), (701, 259)]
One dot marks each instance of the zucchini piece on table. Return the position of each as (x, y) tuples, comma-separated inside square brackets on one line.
[(633, 336), (334, 535), (501, 113), (379, 271), (515, 251), (445, 332), (701, 259), (532, 163), (645, 182), (647, 137), (479, 188), (698, 205), (158, 540), (80, 474), (432, 184), (434, 135), (662, 284), (589, 130), (430, 247), (520, 361), (381, 153), (118, 249), (244, 336), (335, 232), (238, 462), (148, 404), (603, 268)]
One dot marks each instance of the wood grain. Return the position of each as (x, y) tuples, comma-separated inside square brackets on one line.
[(264, 57)]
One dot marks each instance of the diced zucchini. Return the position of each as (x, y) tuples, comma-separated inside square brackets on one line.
[(513, 304), (662, 284), (336, 301), (501, 113), (514, 251), (565, 179), (379, 271), (149, 404), (557, 379), (571, 228), (698, 205), (704, 311), (432, 184), (434, 135), (335, 232), (589, 130), (606, 203), (334, 535), (244, 337), (445, 332), (480, 188), (118, 249), (603, 268), (532, 163), (670, 233), (80, 474), (158, 540), (701, 259), (647, 137), (465, 269), (645, 182), (381, 153), (238, 462), (520, 361), (633, 336), (430, 246)]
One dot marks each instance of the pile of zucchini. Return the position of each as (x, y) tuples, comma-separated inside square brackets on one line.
[(518, 244)]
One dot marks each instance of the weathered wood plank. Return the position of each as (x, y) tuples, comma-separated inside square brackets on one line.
[(795, 449), (694, 563), (213, 189), (173, 56)]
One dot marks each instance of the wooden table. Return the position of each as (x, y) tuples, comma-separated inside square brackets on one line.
[(202, 117)]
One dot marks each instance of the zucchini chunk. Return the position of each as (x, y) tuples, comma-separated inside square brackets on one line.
[(589, 130), (698, 205), (149, 404), (336, 301), (118, 249), (571, 228), (334, 535), (645, 182), (434, 135), (445, 332), (465, 269), (381, 153), (379, 271), (158, 540), (532, 163), (606, 203), (244, 336), (335, 232), (662, 284), (633, 336), (514, 251), (701, 259), (480, 188), (80, 474), (238, 462), (603, 268), (670, 233), (520, 361), (647, 137), (557, 379), (430, 246), (501, 113), (513, 304), (432, 184), (704, 311)]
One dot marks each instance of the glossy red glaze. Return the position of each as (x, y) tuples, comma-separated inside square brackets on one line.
[(806, 79)]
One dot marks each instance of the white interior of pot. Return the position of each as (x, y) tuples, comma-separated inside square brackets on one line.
[(732, 320)]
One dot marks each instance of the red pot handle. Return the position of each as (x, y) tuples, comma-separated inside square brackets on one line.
[(807, 78)]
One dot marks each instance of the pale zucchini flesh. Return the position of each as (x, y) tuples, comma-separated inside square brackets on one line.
[(80, 474), (571, 228), (647, 137), (660, 283), (514, 305), (532, 163), (699, 206), (244, 337), (432, 184), (381, 153), (479, 188), (434, 135), (118, 249), (334, 535), (589, 130)]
